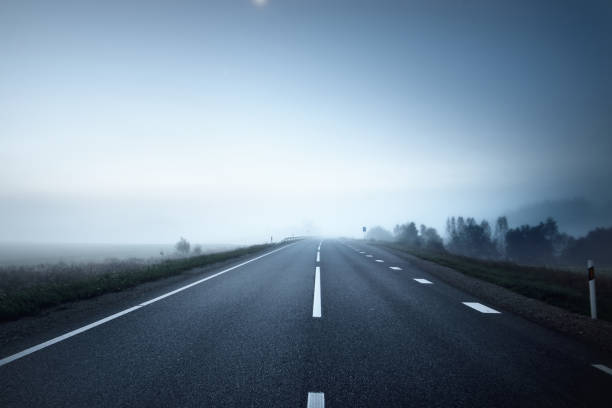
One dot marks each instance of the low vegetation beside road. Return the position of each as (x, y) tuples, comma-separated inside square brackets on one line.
[(560, 287), (26, 290)]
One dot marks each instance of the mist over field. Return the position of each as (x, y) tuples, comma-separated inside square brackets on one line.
[(46, 253)]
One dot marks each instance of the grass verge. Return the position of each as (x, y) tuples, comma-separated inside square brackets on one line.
[(558, 287), (28, 290)]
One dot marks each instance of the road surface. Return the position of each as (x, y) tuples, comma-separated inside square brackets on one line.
[(333, 323)]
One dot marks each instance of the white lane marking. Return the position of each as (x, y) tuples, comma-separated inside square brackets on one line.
[(379, 260), (66, 336), (316, 400), (318, 256), (395, 268), (361, 252), (80, 330), (369, 256), (316, 301), (424, 281), (480, 307), (319, 246), (603, 368)]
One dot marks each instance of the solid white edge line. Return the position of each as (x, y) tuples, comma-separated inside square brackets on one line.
[(65, 336), (318, 256), (603, 368), (480, 307), (423, 281), (316, 400), (80, 330), (316, 301)]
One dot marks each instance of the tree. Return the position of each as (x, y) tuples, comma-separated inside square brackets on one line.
[(407, 234), (197, 250), (469, 238), (595, 245), (451, 228), (533, 245), (182, 247), (499, 236), (431, 239), (379, 234), (423, 237)]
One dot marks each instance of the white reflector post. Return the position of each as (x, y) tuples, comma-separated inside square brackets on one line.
[(592, 296)]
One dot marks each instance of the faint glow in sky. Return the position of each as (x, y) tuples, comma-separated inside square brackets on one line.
[(260, 3)]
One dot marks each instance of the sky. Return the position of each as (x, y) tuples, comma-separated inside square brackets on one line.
[(233, 121)]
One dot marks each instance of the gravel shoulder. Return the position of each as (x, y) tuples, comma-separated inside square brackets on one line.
[(597, 333)]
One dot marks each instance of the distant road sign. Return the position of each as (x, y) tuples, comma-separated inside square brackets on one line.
[(364, 229)]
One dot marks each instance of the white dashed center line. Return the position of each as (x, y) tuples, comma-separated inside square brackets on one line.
[(379, 260), (603, 368), (318, 256), (370, 256), (316, 400), (316, 302), (424, 281), (395, 268), (480, 307)]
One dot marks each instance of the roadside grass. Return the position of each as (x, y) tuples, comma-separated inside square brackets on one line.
[(567, 289), (27, 290)]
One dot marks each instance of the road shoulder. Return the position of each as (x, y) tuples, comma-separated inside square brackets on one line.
[(27, 331), (594, 332)]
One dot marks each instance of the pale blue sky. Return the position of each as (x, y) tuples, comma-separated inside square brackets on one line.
[(228, 121)]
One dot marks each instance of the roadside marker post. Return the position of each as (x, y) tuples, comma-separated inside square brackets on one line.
[(592, 297)]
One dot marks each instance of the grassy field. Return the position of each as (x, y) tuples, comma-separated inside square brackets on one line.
[(26, 290), (564, 288)]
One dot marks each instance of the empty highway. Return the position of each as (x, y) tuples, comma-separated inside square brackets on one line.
[(315, 323)]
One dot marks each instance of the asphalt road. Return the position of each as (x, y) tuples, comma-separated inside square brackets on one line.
[(247, 338)]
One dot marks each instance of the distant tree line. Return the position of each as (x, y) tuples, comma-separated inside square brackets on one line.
[(409, 234), (541, 244)]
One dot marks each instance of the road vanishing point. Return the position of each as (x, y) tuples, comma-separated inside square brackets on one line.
[(316, 323)]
